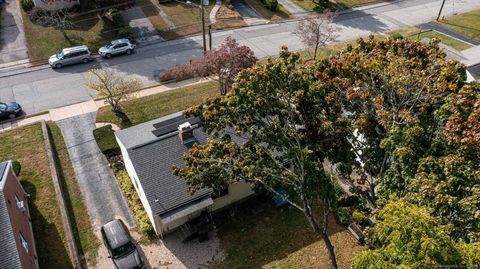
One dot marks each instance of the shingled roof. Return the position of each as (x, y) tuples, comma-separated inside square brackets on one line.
[(153, 158)]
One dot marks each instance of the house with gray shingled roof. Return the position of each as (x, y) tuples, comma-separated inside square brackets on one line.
[(149, 151), (17, 250)]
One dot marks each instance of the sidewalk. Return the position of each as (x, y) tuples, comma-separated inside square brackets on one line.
[(12, 38), (65, 112)]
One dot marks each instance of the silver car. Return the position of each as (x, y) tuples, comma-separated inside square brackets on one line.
[(68, 56), (119, 46), (121, 248)]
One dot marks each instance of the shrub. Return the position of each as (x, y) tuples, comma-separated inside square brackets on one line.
[(359, 217), (17, 167), (343, 215), (36, 14), (397, 36), (143, 222), (105, 138), (27, 5), (270, 4)]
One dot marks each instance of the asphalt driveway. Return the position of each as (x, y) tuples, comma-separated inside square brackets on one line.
[(103, 197), (12, 38)]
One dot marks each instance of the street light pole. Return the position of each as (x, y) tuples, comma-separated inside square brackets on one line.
[(440, 12)]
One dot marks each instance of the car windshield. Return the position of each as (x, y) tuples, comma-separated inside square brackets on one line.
[(123, 250), (59, 55), (3, 107), (110, 45)]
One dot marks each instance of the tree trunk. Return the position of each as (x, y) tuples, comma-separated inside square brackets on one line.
[(323, 232), (65, 35), (121, 115), (315, 52)]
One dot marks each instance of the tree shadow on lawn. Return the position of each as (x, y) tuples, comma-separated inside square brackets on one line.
[(261, 234), (51, 251)]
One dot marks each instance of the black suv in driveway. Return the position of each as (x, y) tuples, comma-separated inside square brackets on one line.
[(10, 110), (121, 248)]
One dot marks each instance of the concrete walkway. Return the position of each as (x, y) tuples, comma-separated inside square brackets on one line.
[(143, 28), (294, 9), (162, 14), (12, 39), (103, 197), (439, 28), (248, 13), (213, 12), (61, 113)]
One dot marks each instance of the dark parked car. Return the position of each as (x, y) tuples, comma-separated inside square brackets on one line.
[(10, 110), (120, 245)]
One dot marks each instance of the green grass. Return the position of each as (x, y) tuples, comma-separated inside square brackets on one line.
[(151, 107), (82, 228), (27, 146), (279, 14), (467, 24), (105, 138), (262, 236), (312, 6), (90, 30), (412, 33)]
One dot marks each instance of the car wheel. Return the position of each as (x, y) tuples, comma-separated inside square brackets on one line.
[(11, 116), (108, 55), (85, 61), (58, 66), (129, 51)]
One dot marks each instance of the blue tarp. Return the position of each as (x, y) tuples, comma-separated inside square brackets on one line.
[(280, 197)]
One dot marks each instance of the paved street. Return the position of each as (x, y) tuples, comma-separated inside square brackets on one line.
[(44, 88)]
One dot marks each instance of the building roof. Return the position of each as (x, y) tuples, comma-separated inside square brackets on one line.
[(153, 158), (9, 257), (474, 71)]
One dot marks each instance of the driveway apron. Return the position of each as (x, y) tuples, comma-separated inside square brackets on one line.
[(103, 197)]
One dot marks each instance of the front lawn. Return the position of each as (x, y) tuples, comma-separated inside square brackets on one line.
[(154, 106), (27, 146), (262, 236), (414, 33), (467, 24), (280, 14), (81, 226), (313, 6), (90, 30)]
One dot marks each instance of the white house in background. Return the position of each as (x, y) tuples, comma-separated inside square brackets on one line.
[(149, 151), (55, 4)]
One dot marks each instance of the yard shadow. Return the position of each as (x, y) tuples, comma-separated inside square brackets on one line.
[(49, 244), (361, 20), (254, 234), (68, 202)]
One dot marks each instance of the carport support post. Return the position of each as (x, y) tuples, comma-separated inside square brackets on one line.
[(203, 26)]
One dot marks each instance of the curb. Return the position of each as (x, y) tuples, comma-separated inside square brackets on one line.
[(67, 225)]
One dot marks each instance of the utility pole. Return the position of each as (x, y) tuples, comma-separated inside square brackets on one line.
[(203, 26), (441, 8)]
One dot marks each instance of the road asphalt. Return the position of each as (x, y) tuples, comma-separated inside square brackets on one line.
[(44, 88)]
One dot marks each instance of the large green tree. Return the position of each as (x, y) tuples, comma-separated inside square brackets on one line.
[(391, 90), (407, 236), (274, 129)]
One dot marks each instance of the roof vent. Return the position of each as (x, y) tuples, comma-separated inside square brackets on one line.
[(185, 131)]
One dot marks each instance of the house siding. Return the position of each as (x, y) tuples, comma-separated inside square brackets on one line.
[(236, 192), (138, 186)]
